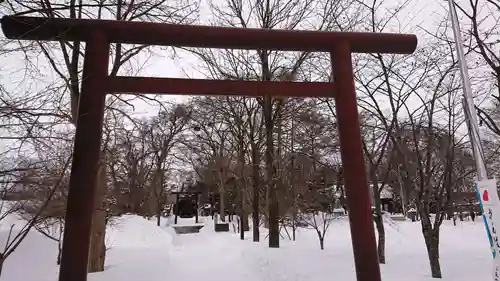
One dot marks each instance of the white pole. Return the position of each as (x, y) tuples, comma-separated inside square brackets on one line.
[(470, 112), (468, 98)]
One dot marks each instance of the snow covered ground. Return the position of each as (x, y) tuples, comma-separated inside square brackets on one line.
[(139, 250)]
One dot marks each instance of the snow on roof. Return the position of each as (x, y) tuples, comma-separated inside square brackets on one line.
[(386, 192)]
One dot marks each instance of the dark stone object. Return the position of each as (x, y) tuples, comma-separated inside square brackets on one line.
[(221, 227), (187, 229)]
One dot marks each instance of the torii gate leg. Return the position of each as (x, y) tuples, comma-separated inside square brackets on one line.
[(358, 197), (87, 146)]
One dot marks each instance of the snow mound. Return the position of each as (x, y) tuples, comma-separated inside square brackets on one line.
[(130, 231)]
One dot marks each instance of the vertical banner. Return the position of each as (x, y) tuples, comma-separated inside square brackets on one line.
[(490, 205)]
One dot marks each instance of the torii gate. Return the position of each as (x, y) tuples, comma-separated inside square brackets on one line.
[(98, 34)]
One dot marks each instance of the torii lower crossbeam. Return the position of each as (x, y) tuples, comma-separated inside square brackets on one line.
[(99, 34)]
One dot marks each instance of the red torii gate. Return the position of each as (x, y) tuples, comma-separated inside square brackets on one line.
[(98, 34)]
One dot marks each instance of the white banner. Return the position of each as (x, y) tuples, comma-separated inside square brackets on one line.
[(490, 203)]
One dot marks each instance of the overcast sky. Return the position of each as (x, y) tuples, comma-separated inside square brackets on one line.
[(421, 13), (13, 77)]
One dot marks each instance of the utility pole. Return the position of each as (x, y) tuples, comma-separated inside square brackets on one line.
[(482, 184), (468, 98)]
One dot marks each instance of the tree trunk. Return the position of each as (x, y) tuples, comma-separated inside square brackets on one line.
[(242, 225), (294, 206), (497, 71), (59, 242), (59, 254), (293, 186), (158, 217), (151, 204), (97, 252), (2, 260), (432, 243), (222, 206), (242, 214), (379, 222), (255, 192), (159, 193), (243, 187), (246, 224), (272, 200), (321, 240)]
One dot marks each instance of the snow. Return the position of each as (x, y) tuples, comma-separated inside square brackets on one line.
[(386, 192), (131, 231), (139, 249)]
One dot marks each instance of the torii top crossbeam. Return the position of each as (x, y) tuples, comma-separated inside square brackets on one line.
[(147, 33)]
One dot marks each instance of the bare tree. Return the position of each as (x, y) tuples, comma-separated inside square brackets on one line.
[(130, 164), (483, 40), (164, 133), (316, 201), (385, 83), (210, 145), (65, 58), (376, 144), (270, 65), (43, 188), (430, 148)]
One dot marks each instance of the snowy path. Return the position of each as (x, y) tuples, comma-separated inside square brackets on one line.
[(224, 257), (139, 250), (208, 256)]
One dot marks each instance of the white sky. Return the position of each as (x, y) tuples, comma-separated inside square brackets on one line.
[(13, 78), (421, 13)]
